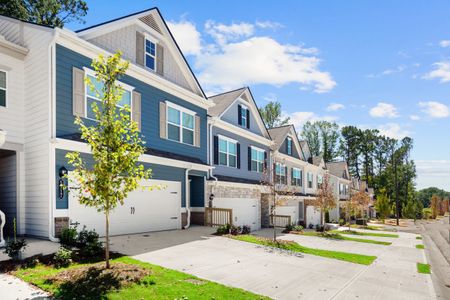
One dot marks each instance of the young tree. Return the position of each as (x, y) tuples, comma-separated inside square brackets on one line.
[(409, 210), (46, 12), (271, 114), (360, 202), (325, 199), (382, 205), (115, 145)]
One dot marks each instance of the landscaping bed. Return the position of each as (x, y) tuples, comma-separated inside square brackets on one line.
[(335, 235), (354, 232), (423, 268), (295, 247)]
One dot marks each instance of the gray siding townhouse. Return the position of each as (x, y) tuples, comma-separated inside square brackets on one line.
[(341, 182), (240, 154), (45, 70)]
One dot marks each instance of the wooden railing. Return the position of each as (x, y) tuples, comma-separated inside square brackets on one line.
[(218, 216), (280, 221)]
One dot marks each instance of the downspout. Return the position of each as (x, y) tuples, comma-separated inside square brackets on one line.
[(188, 198)]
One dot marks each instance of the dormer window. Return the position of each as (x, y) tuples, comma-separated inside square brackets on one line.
[(150, 55), (289, 146), (243, 116)]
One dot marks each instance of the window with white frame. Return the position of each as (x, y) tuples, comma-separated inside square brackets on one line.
[(319, 181), (150, 54), (257, 157), (3, 88), (280, 173), (94, 94), (310, 180), (180, 124), (296, 177), (289, 146), (227, 152), (244, 115)]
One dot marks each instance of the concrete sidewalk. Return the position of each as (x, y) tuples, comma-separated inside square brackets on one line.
[(12, 288)]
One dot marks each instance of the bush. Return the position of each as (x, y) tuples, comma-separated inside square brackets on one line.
[(63, 257), (223, 229), (320, 228), (235, 230), (341, 222), (288, 228), (68, 237), (14, 247), (246, 229), (297, 228), (426, 212), (88, 242)]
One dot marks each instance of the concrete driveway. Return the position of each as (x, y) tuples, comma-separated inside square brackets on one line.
[(282, 276)]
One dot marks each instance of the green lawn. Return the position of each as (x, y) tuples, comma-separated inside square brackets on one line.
[(418, 237), (293, 246), (423, 268), (419, 246), (335, 235), (353, 232), (162, 283)]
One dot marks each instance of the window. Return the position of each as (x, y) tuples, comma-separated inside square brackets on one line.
[(280, 173), (3, 88), (96, 95), (296, 177), (310, 180), (257, 164), (289, 146), (180, 124), (343, 189), (150, 55), (227, 152), (319, 181), (244, 116)]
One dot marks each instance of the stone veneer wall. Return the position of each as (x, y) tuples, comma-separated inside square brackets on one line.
[(226, 191), (265, 210)]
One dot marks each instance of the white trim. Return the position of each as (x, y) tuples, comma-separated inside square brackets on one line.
[(227, 153), (5, 88), (151, 40), (227, 138), (292, 159), (241, 132), (182, 111), (257, 161), (70, 145), (181, 108)]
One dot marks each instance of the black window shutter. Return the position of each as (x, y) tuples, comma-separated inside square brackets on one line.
[(239, 115), (238, 151), (216, 150), (248, 118), (249, 158), (265, 160), (285, 174), (287, 142)]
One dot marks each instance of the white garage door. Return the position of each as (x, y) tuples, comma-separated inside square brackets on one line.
[(312, 216), (142, 211), (245, 211)]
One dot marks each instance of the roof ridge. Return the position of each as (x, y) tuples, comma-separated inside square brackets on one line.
[(232, 91)]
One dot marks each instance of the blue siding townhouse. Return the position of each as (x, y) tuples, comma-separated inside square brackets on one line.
[(166, 101)]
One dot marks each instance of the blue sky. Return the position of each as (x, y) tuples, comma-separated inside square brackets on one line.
[(374, 64)]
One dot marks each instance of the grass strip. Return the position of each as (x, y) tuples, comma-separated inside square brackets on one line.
[(161, 283), (419, 246), (338, 236), (295, 247), (354, 232), (418, 237), (423, 268)]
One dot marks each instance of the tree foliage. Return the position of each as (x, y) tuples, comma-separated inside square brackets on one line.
[(425, 195), (322, 138), (325, 199), (46, 12), (435, 206), (382, 205), (115, 144), (271, 114)]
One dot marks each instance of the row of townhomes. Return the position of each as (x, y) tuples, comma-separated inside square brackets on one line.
[(208, 152)]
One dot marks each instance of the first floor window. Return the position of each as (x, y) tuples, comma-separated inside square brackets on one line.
[(227, 152), (180, 125), (94, 94), (3, 88), (310, 180), (296, 177), (280, 173), (150, 55), (257, 160)]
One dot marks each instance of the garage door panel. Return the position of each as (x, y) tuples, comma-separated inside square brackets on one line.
[(245, 211)]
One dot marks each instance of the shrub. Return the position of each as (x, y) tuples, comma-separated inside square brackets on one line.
[(14, 247), (341, 222), (63, 257), (223, 229), (235, 230), (288, 228), (246, 229), (88, 242), (426, 212), (297, 228), (320, 228), (310, 226), (68, 237)]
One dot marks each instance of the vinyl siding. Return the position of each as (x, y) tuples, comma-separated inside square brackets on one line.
[(295, 151), (8, 191), (150, 96), (231, 116), (243, 172), (11, 30)]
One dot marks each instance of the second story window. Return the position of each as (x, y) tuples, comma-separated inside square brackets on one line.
[(227, 152), (257, 160), (310, 180), (150, 54), (3, 88), (289, 146), (243, 116), (296, 177), (180, 124), (319, 181), (280, 173)]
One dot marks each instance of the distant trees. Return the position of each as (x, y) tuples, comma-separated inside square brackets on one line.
[(271, 114), (425, 195), (322, 138), (382, 205)]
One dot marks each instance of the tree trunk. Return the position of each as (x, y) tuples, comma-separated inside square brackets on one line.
[(107, 240)]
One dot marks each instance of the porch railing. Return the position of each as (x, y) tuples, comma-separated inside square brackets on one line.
[(218, 216), (280, 220)]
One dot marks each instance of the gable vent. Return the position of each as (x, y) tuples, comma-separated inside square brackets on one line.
[(151, 22), (244, 96)]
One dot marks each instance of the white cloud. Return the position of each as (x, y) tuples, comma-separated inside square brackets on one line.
[(393, 130), (335, 107), (398, 69), (222, 33), (268, 25), (384, 110), (187, 37), (444, 43), (414, 117), (299, 118), (435, 109), (441, 71), (262, 60)]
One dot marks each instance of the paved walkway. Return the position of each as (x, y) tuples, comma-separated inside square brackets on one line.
[(12, 288)]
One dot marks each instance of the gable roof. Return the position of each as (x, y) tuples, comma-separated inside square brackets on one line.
[(339, 169), (280, 133), (222, 102), (142, 16)]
